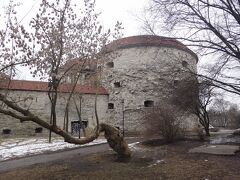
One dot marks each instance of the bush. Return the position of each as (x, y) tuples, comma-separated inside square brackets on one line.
[(163, 120)]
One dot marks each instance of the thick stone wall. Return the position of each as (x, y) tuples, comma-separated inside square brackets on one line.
[(39, 103), (141, 75), (138, 72)]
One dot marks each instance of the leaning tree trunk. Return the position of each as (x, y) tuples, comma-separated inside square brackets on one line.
[(207, 131), (113, 135), (115, 140)]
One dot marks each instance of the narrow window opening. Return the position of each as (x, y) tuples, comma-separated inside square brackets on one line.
[(99, 68), (110, 64), (117, 84), (175, 82), (110, 106), (38, 130), (6, 131), (184, 63), (148, 103)]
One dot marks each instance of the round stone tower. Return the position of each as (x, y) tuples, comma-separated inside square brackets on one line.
[(139, 72)]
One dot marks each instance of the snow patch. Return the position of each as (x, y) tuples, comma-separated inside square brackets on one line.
[(22, 147), (133, 145), (156, 163)]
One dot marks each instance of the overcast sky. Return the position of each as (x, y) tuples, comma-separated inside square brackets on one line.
[(124, 11), (112, 11)]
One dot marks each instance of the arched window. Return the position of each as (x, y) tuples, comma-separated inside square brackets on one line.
[(99, 68), (184, 63), (148, 103)]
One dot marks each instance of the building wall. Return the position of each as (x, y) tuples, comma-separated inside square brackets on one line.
[(138, 70), (145, 73), (39, 103)]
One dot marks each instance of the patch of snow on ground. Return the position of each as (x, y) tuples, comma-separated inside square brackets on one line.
[(22, 147), (134, 147), (156, 163)]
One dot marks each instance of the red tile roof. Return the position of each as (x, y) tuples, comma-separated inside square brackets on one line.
[(23, 85), (147, 40)]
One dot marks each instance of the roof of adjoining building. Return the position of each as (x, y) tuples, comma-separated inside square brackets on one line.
[(147, 40), (22, 85)]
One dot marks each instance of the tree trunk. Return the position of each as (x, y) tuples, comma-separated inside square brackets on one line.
[(116, 140), (207, 131)]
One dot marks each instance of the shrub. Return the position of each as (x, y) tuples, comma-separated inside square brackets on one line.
[(163, 120)]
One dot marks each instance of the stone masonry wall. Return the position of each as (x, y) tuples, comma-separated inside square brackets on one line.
[(143, 73), (138, 72), (38, 102)]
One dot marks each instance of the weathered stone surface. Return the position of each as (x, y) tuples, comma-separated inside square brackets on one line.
[(145, 73), (143, 68), (39, 103)]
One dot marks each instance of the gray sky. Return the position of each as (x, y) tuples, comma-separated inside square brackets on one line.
[(112, 11), (124, 11)]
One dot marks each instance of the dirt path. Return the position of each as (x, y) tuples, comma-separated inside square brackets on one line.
[(44, 158), (58, 155)]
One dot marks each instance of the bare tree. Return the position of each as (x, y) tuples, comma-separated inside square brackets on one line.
[(12, 44), (160, 120), (194, 96), (234, 117), (57, 35), (210, 27), (224, 114), (221, 106)]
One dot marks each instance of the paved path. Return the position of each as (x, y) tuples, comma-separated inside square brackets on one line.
[(216, 149), (44, 158)]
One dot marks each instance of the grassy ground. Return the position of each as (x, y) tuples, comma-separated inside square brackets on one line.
[(170, 161)]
